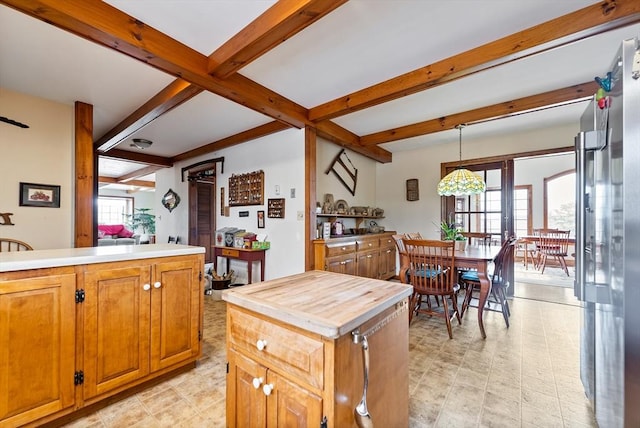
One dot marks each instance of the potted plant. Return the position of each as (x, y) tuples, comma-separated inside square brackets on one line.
[(451, 233), (142, 219)]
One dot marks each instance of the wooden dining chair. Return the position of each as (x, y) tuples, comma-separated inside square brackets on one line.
[(477, 238), (499, 282), (552, 244), (8, 244), (431, 273)]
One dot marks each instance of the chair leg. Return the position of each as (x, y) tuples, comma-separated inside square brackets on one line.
[(447, 317), (454, 302)]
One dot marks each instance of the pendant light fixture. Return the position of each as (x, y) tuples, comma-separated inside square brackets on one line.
[(461, 181)]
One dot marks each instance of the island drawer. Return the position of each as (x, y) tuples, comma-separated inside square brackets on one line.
[(279, 347)]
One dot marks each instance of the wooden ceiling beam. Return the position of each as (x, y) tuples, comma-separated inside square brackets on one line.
[(104, 24), (241, 137), (504, 109), (347, 139), (133, 175), (589, 21), (280, 22), (138, 183), (176, 93), (141, 158)]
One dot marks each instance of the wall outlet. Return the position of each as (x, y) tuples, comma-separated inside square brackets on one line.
[(277, 189), (300, 215), (293, 193)]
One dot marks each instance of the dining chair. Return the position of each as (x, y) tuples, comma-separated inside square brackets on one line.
[(431, 273), (499, 282), (477, 238), (8, 244), (554, 244)]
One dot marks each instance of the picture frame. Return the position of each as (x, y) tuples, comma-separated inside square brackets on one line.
[(260, 219), (39, 195)]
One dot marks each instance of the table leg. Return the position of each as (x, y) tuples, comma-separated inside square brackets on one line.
[(249, 269), (485, 289), (262, 268)]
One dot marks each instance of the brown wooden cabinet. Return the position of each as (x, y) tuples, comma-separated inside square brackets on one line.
[(139, 317), (71, 336), (370, 256), (37, 343)]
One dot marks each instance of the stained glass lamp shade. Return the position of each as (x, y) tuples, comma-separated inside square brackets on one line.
[(461, 181)]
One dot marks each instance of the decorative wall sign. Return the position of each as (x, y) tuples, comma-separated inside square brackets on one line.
[(170, 200), (39, 195), (275, 208), (243, 213), (222, 201), (347, 174), (246, 189), (412, 189), (260, 219)]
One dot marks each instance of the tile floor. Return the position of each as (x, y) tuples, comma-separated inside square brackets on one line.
[(524, 376)]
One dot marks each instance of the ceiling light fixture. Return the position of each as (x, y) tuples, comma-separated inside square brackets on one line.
[(141, 143), (461, 181)]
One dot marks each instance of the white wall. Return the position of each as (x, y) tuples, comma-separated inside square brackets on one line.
[(43, 154), (424, 164), (281, 157)]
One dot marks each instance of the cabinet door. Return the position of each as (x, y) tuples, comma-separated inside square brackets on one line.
[(341, 264), (246, 404), (37, 347), (176, 294), (387, 262), (290, 405), (116, 326), (368, 263)]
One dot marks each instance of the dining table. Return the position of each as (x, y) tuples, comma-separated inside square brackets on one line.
[(475, 257)]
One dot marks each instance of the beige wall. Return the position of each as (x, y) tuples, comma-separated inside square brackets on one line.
[(42, 153)]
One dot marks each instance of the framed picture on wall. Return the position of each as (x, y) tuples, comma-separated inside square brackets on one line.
[(260, 219), (39, 195)]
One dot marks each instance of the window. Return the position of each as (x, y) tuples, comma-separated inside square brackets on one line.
[(560, 201), (522, 211), (114, 209)]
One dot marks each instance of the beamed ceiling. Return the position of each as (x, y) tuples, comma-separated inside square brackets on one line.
[(374, 76)]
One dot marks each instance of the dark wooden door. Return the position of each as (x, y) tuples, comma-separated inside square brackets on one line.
[(202, 217)]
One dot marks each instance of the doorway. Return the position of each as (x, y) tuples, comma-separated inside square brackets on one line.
[(202, 209)]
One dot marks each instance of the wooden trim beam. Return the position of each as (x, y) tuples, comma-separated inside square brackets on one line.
[(85, 188), (138, 183), (104, 24), (280, 22), (310, 196), (589, 21), (176, 93), (495, 111), (138, 173)]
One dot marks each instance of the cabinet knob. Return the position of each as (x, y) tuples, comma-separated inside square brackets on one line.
[(261, 344), (157, 284), (370, 244), (146, 287), (267, 389), (257, 381), (369, 256), (344, 248)]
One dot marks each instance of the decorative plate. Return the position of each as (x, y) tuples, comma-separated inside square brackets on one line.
[(341, 207)]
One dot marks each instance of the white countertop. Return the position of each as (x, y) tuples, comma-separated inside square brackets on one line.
[(325, 303), (37, 259)]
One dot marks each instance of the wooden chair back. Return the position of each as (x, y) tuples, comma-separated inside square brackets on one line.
[(477, 238), (430, 266), (8, 244)]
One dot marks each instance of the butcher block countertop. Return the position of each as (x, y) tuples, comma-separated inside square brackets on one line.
[(326, 303), (37, 259)]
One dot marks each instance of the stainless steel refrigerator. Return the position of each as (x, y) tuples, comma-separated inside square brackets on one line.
[(608, 242)]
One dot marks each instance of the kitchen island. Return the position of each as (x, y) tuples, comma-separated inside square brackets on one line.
[(80, 325), (296, 354)]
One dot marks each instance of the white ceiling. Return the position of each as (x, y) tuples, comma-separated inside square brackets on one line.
[(361, 43)]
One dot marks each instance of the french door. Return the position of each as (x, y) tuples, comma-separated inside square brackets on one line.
[(488, 212)]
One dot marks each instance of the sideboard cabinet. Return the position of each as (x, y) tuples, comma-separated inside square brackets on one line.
[(370, 255)]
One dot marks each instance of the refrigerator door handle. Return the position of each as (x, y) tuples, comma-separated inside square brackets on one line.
[(581, 200)]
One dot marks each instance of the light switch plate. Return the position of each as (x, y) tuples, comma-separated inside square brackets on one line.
[(300, 215), (293, 193)]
